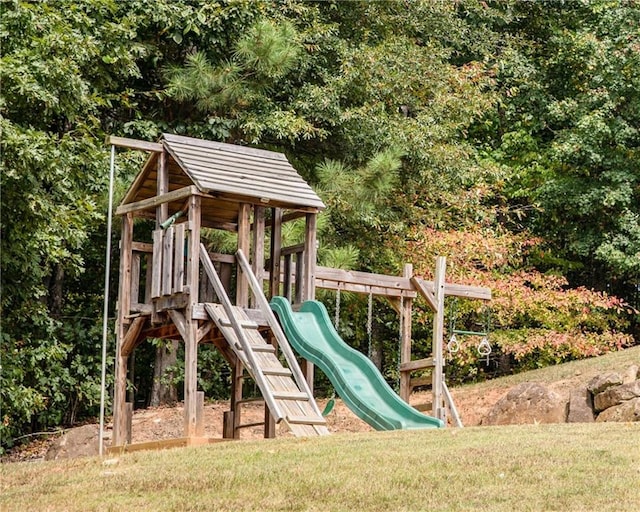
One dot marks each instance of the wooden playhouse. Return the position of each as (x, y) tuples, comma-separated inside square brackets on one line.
[(171, 287)]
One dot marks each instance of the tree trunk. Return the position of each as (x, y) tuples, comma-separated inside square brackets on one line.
[(164, 391)]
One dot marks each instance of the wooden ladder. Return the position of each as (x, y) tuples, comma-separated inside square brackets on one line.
[(284, 389)]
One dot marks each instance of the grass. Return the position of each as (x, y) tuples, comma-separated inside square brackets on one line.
[(568, 467), (581, 370), (532, 467)]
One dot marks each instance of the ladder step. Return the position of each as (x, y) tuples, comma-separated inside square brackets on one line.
[(306, 420), (278, 372), (249, 425), (259, 348), (290, 395), (245, 325)]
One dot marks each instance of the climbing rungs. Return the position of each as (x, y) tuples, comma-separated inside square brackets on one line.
[(306, 420), (259, 348), (290, 395), (278, 372), (244, 325), (418, 364), (249, 425)]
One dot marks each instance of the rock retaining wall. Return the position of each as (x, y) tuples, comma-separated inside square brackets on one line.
[(606, 397)]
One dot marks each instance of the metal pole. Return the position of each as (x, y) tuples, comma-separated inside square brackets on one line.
[(105, 313)]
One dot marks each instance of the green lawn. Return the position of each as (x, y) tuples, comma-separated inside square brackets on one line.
[(534, 467)]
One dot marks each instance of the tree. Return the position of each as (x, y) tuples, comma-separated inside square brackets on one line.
[(567, 128)]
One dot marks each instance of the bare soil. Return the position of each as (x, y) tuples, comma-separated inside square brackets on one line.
[(158, 423)]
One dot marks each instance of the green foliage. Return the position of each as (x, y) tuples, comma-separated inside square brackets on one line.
[(450, 124), (567, 126), (535, 318)]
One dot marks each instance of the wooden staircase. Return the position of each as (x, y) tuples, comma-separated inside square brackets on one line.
[(284, 388)]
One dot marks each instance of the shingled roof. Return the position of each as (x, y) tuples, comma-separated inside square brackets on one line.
[(228, 172)]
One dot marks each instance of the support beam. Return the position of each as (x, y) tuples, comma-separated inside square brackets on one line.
[(275, 252), (405, 338), (244, 237), (438, 409), (153, 202), (120, 426), (191, 325), (141, 145)]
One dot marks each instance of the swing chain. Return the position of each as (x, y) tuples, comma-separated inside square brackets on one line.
[(453, 345), (336, 321), (401, 332), (369, 324)]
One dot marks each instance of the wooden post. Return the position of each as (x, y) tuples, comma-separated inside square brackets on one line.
[(275, 251), (244, 228), (258, 245), (438, 409), (120, 423), (191, 324), (405, 338), (162, 211), (200, 414), (258, 271), (310, 255), (309, 278)]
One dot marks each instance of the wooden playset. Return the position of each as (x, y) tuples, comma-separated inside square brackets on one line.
[(172, 287)]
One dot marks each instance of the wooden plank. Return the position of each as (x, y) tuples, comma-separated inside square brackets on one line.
[(162, 187), (363, 288), (245, 325), (217, 257), (153, 202), (366, 278), (191, 327), (124, 298), (292, 249), (156, 278), (131, 337), (180, 322), (306, 420), (142, 247), (135, 278), (148, 277), (417, 364), (309, 258), (275, 251), (141, 145), (262, 348), (200, 413), (291, 395), (286, 281), (167, 261), (420, 285), (420, 381), (244, 244), (438, 410), (178, 258), (283, 372), (405, 337), (258, 230)]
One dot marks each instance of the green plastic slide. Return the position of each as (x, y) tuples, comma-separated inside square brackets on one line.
[(354, 376)]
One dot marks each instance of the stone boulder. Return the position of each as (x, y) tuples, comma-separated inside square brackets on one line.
[(580, 406), (529, 402), (601, 382), (75, 442), (631, 374), (616, 395), (626, 411)]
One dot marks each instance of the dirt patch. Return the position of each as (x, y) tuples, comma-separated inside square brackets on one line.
[(160, 423)]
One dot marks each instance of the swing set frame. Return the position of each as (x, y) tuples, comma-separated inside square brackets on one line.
[(401, 292)]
